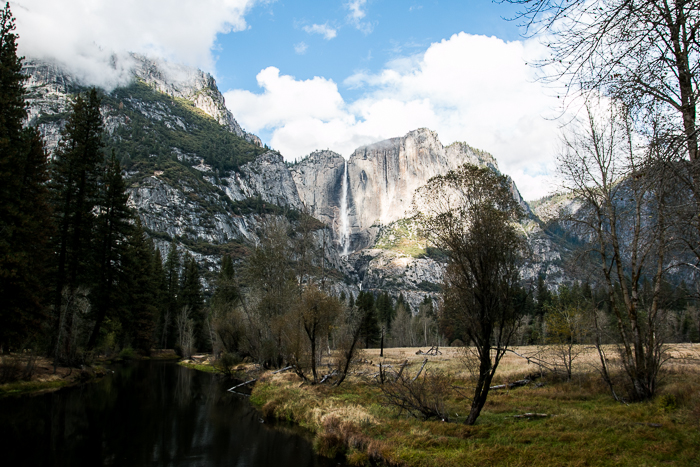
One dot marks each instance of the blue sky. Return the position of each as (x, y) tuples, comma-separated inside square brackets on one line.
[(333, 74), (389, 30)]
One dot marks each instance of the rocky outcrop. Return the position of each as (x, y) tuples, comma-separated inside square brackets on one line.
[(192, 84), (267, 177)]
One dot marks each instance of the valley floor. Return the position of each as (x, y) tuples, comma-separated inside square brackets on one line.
[(583, 424)]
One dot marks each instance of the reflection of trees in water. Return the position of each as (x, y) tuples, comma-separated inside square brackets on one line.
[(147, 413), (183, 387)]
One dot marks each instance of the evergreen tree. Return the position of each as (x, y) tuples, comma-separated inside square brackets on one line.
[(75, 174), (544, 296), (385, 310), (370, 331), (139, 290), (191, 296), (226, 291), (113, 226), (172, 288), (24, 213), (161, 295)]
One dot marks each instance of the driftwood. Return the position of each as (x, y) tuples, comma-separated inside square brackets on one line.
[(242, 384), (433, 351), (329, 375), (421, 369), (532, 415)]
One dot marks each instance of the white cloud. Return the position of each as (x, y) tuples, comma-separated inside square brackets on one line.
[(85, 35), (300, 48), (357, 14), (326, 31), (467, 88)]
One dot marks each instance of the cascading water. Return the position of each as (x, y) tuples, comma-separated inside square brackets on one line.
[(344, 228)]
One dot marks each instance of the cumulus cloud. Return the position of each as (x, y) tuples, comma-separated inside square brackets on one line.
[(468, 88), (87, 35), (326, 31)]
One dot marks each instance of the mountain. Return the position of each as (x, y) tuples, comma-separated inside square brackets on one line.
[(196, 177)]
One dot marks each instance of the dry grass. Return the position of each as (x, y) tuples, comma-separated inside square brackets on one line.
[(585, 427)]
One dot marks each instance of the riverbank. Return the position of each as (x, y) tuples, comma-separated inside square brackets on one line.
[(42, 377), (570, 423)]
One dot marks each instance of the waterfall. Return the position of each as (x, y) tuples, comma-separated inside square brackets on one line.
[(344, 229)]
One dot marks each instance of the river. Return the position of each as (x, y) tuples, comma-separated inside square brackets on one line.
[(147, 413)]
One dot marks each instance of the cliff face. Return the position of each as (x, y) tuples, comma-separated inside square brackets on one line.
[(191, 180), (319, 179)]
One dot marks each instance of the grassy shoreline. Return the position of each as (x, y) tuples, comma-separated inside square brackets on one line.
[(584, 426)]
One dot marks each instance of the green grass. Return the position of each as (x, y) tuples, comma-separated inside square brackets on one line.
[(27, 387), (585, 427), (200, 367)]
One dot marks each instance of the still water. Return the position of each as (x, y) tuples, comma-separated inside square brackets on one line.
[(147, 414)]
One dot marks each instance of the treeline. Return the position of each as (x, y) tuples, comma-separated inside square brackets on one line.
[(77, 270)]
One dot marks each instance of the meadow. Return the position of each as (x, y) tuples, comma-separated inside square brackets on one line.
[(549, 421)]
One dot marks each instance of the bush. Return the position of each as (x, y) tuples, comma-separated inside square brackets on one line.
[(423, 396), (227, 361), (127, 353), (16, 367)]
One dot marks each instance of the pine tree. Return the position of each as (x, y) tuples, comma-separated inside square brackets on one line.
[(191, 296), (161, 296), (385, 309), (139, 290), (226, 291), (172, 288), (24, 213), (370, 332), (113, 226), (75, 174)]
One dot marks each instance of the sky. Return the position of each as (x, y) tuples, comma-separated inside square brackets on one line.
[(333, 74)]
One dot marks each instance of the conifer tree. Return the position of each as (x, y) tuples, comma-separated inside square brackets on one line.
[(191, 296), (161, 291), (172, 288), (385, 309), (370, 332), (113, 226), (75, 174), (24, 212), (139, 290)]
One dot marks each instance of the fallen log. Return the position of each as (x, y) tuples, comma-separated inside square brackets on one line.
[(421, 369), (329, 375), (532, 415), (283, 369), (242, 384), (514, 384)]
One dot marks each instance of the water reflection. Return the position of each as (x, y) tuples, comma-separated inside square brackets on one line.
[(146, 413)]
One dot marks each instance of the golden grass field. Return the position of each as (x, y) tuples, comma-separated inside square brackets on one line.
[(584, 424)]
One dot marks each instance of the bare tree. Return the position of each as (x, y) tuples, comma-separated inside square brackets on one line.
[(185, 331), (623, 220), (643, 52), (306, 327), (470, 213)]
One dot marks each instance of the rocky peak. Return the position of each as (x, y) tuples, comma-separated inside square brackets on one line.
[(48, 80)]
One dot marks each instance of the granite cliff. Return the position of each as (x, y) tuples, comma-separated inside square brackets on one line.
[(196, 177)]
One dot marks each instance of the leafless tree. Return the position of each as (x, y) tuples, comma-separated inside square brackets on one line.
[(623, 221), (185, 331), (643, 52)]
